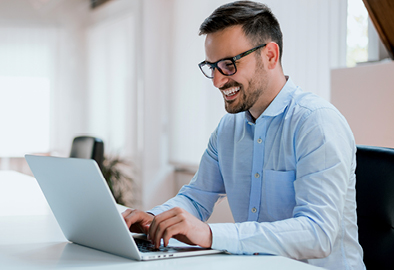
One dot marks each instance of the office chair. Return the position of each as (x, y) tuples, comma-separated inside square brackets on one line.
[(89, 148), (375, 205)]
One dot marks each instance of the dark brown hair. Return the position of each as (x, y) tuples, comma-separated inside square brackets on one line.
[(257, 21)]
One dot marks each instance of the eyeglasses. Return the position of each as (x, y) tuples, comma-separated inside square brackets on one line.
[(225, 66)]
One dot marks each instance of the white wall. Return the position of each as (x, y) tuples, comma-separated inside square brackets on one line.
[(364, 95), (156, 50), (314, 34), (69, 106)]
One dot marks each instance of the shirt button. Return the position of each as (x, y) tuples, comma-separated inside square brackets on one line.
[(259, 140), (254, 210), (257, 175)]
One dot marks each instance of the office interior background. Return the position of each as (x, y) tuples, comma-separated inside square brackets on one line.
[(126, 72)]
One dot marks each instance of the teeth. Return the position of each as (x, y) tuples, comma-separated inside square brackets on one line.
[(231, 91)]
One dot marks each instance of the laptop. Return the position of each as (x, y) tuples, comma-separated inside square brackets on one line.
[(87, 213)]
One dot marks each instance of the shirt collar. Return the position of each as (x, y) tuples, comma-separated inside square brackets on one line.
[(280, 102)]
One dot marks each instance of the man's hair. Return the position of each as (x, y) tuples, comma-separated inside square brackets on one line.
[(257, 21)]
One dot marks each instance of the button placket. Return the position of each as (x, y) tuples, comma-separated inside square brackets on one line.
[(256, 177)]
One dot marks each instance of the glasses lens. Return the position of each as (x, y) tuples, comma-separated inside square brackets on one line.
[(207, 69), (227, 67)]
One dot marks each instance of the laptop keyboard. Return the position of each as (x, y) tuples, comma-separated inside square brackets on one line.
[(147, 246)]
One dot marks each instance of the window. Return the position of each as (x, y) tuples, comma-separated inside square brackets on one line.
[(24, 110), (26, 57), (357, 33)]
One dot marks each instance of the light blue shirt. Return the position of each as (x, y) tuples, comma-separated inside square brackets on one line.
[(289, 178)]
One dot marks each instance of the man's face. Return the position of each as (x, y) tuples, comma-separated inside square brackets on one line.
[(244, 89)]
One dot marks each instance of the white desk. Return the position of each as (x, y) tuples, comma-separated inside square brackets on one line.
[(30, 238)]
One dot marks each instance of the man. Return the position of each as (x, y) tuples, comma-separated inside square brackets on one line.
[(284, 158)]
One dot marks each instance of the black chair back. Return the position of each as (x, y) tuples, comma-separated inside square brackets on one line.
[(375, 205), (89, 148)]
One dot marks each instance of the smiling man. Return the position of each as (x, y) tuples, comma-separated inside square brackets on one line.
[(244, 85), (284, 158)]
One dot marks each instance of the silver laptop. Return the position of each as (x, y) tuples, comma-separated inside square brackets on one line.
[(87, 213)]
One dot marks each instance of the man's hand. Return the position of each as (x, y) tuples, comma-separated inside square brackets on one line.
[(138, 221), (182, 225)]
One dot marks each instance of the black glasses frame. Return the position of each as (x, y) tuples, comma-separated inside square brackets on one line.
[(232, 59)]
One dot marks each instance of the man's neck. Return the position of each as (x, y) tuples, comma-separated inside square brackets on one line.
[(274, 89)]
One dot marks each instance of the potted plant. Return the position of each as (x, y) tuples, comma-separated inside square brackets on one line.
[(118, 172)]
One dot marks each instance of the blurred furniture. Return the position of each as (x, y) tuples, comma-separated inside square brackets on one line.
[(88, 147), (375, 205)]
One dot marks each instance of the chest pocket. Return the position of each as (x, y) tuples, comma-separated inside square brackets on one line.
[(278, 189)]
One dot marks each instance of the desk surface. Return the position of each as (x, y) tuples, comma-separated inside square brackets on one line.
[(30, 238)]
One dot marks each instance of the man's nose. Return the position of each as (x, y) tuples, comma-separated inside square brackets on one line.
[(219, 79)]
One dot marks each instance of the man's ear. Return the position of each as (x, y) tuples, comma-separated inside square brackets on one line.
[(272, 55)]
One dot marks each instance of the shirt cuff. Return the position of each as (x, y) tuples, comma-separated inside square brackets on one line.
[(156, 210), (224, 237)]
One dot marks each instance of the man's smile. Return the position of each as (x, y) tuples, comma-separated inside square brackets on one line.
[(230, 93)]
